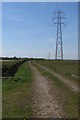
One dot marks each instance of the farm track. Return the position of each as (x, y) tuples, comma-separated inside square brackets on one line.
[(70, 84), (45, 104)]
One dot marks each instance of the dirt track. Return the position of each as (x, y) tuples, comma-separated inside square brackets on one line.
[(70, 84), (45, 104)]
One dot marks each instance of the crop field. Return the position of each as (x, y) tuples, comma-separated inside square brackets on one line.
[(30, 91)]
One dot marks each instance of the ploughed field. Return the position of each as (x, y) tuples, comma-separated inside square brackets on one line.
[(32, 91)]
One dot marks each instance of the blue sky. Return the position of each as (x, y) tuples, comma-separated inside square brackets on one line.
[(28, 30)]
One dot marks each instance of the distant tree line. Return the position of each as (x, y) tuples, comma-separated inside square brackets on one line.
[(20, 58), (12, 58)]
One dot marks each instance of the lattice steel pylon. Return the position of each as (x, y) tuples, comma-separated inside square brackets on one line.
[(59, 46)]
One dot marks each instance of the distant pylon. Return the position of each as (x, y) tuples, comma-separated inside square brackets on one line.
[(49, 56), (59, 46)]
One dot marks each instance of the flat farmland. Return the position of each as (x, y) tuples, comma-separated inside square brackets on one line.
[(67, 68), (65, 89), (32, 89)]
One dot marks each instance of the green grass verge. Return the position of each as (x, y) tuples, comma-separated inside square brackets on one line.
[(69, 98), (17, 93)]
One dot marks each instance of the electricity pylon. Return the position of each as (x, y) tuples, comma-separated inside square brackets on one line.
[(59, 46), (49, 56)]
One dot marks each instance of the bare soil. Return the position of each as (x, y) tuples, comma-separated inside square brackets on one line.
[(45, 104)]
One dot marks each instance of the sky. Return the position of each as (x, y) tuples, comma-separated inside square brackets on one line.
[(39, 0), (28, 29)]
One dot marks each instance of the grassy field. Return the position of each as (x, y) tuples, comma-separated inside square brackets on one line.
[(68, 68), (18, 88), (64, 95), (17, 93)]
